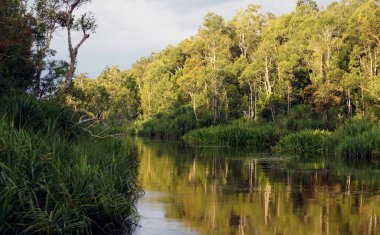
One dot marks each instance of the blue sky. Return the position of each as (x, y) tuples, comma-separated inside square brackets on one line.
[(130, 29)]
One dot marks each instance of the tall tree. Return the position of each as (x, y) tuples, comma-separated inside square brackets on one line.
[(85, 23), (16, 67)]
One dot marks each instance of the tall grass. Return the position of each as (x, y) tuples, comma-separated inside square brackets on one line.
[(238, 134), (354, 139), (41, 116), (55, 182), (307, 142), (359, 140)]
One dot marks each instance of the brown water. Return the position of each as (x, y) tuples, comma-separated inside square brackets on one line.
[(225, 191)]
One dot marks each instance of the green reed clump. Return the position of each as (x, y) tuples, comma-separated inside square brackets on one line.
[(39, 115), (359, 142), (307, 142), (53, 185), (354, 128), (56, 179), (238, 134)]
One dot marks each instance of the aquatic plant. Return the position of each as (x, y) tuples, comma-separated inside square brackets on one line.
[(307, 142), (238, 134)]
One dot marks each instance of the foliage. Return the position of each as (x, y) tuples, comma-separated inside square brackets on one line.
[(16, 67), (57, 180), (44, 117), (238, 134), (263, 67), (359, 139), (113, 95), (170, 125), (307, 142)]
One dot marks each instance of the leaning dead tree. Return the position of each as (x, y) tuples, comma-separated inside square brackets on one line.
[(85, 24)]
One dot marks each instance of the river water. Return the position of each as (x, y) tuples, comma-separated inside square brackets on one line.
[(212, 190)]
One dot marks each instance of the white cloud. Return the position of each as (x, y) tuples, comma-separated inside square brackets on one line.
[(130, 29)]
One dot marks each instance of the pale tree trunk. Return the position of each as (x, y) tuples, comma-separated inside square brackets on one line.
[(242, 46), (255, 106), (193, 97), (349, 105), (268, 84), (226, 104), (371, 63), (250, 106), (73, 50)]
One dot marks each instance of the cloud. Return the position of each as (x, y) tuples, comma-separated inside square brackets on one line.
[(130, 29)]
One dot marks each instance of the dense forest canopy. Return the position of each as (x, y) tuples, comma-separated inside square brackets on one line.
[(256, 66)]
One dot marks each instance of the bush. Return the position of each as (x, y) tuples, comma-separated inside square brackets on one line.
[(170, 125), (239, 134), (52, 183), (42, 116), (307, 142), (354, 128), (359, 141)]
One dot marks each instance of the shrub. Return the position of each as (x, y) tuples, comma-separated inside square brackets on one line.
[(238, 134), (42, 116), (170, 125), (360, 142), (50, 185), (307, 142)]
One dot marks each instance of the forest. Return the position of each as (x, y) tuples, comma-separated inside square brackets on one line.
[(303, 83), (306, 73)]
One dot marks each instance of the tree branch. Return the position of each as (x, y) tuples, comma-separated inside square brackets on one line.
[(375, 37)]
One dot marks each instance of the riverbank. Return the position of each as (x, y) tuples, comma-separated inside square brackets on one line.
[(57, 179), (354, 139)]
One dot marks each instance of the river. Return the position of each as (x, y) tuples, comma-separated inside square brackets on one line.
[(213, 190)]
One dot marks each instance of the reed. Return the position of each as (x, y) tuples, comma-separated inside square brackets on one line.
[(364, 143), (238, 134), (55, 180), (307, 142)]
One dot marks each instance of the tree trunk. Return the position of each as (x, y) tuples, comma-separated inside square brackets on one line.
[(325, 115), (289, 98), (250, 109), (255, 108), (349, 105), (193, 97), (267, 77)]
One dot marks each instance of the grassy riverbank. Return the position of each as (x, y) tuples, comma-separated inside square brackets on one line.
[(56, 179), (355, 138)]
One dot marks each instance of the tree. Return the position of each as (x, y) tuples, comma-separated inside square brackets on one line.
[(248, 25), (45, 17), (16, 64), (308, 4), (216, 41), (85, 23)]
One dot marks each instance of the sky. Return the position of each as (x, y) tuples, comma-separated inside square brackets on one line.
[(131, 29)]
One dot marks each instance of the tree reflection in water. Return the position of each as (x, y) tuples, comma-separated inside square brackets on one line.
[(222, 191)]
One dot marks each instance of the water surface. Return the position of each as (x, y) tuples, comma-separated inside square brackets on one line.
[(225, 191)]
